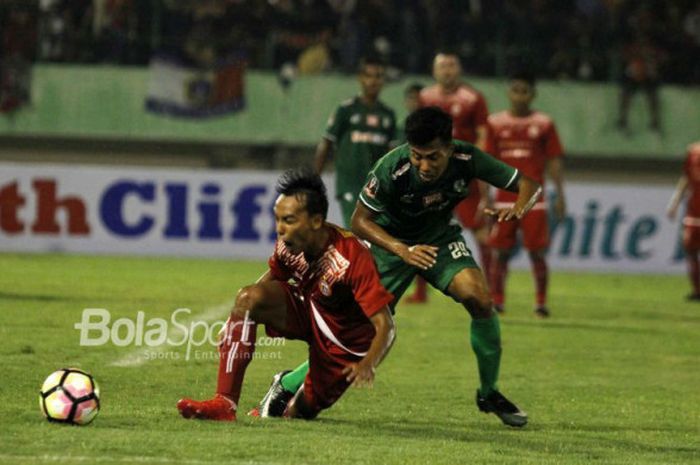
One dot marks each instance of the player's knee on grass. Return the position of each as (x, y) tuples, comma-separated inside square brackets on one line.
[(299, 407)]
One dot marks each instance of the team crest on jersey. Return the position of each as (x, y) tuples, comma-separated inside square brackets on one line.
[(406, 198), (405, 167), (533, 132), (324, 287), (460, 186), (355, 118), (372, 186), (372, 120), (386, 122), (431, 199)]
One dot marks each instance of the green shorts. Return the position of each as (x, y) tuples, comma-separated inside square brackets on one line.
[(453, 257)]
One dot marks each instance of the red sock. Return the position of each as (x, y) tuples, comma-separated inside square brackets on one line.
[(539, 270), (499, 271), (235, 353), (485, 254), (694, 272)]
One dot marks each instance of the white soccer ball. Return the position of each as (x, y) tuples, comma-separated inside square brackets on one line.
[(70, 396)]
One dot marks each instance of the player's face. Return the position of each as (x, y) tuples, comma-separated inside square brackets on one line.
[(431, 160), (521, 94), (412, 101), (446, 69), (295, 227), (372, 80)]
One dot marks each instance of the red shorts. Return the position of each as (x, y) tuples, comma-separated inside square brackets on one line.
[(467, 211), (325, 382), (691, 236), (535, 229)]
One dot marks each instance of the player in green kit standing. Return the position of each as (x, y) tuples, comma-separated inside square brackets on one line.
[(359, 132), (405, 211)]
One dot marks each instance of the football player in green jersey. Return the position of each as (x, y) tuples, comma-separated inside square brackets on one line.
[(405, 212), (358, 133)]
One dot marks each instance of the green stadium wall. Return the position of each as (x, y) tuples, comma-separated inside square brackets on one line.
[(108, 102)]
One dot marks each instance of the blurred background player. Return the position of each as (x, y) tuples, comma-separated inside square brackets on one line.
[(469, 113), (361, 130), (337, 305), (690, 180), (405, 211), (527, 140)]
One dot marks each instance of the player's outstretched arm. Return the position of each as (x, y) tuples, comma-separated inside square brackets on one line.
[(362, 373), (555, 169), (323, 151), (363, 225), (528, 191), (677, 196)]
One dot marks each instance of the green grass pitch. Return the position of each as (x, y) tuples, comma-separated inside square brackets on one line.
[(612, 378)]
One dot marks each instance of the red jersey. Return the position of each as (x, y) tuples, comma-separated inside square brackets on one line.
[(341, 289), (466, 106), (526, 143), (692, 172)]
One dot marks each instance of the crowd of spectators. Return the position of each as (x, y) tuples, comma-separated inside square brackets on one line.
[(599, 40)]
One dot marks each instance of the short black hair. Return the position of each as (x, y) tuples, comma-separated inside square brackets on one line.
[(304, 182), (370, 60), (426, 124), (523, 75), (415, 87)]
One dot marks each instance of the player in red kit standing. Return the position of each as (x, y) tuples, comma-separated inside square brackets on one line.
[(527, 140), (322, 287), (469, 113), (690, 180)]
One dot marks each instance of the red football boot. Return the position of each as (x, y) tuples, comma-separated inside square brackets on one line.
[(219, 408)]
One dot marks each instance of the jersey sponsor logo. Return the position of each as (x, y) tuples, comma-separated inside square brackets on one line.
[(462, 156), (373, 120), (296, 263), (359, 137), (372, 186), (516, 153), (533, 132), (402, 169), (430, 199), (332, 268)]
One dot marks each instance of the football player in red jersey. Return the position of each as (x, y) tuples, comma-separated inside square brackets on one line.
[(690, 180), (528, 140), (469, 113), (321, 287)]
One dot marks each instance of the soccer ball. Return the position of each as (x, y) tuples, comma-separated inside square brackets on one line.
[(70, 396)]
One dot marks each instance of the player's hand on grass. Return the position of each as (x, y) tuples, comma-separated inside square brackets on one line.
[(360, 374), (420, 256)]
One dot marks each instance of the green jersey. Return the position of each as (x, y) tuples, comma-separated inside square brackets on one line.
[(361, 134), (416, 212)]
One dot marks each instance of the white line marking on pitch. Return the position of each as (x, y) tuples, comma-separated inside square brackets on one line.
[(136, 357)]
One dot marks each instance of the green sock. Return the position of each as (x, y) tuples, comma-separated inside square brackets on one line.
[(486, 342), (293, 380)]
